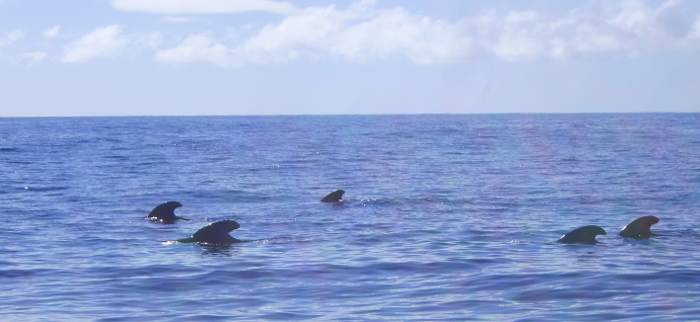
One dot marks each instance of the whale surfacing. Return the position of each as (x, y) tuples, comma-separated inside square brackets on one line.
[(335, 196), (640, 228), (165, 212), (582, 235), (215, 234)]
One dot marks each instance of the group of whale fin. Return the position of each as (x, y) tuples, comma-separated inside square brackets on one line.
[(212, 234), (217, 233), (640, 228)]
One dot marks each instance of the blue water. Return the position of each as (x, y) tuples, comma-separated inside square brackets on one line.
[(447, 217)]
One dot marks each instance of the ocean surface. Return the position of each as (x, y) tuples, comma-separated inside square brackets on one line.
[(445, 218)]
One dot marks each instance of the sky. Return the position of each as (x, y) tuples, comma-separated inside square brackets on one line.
[(268, 57)]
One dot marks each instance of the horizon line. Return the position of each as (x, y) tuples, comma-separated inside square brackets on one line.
[(292, 115)]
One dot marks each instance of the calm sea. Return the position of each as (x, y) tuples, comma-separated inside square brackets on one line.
[(446, 218)]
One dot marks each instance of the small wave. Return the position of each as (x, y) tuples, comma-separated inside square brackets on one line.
[(669, 276), (14, 273), (286, 316), (19, 162), (117, 157)]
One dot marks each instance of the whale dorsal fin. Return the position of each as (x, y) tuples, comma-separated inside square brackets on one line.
[(217, 233), (165, 212), (582, 235), (639, 228), (334, 196)]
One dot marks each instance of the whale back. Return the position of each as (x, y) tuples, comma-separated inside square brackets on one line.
[(217, 233), (582, 235), (639, 228), (334, 196), (165, 212)]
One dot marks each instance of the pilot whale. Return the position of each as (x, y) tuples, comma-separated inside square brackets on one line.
[(582, 235), (640, 228), (215, 234), (165, 212), (334, 196)]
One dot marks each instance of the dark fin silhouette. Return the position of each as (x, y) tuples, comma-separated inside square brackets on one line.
[(640, 228), (334, 196), (582, 235), (184, 240), (215, 234), (165, 213)]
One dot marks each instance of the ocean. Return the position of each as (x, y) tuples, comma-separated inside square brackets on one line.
[(445, 218)]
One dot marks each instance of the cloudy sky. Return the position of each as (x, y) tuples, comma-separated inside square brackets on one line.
[(242, 57)]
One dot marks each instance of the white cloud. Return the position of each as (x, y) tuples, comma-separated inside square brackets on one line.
[(203, 6), (362, 33), (51, 32), (101, 42), (35, 57), (358, 33), (195, 48), (10, 37), (695, 30), (516, 17), (151, 40), (517, 36), (177, 19), (301, 34), (627, 26), (397, 33)]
